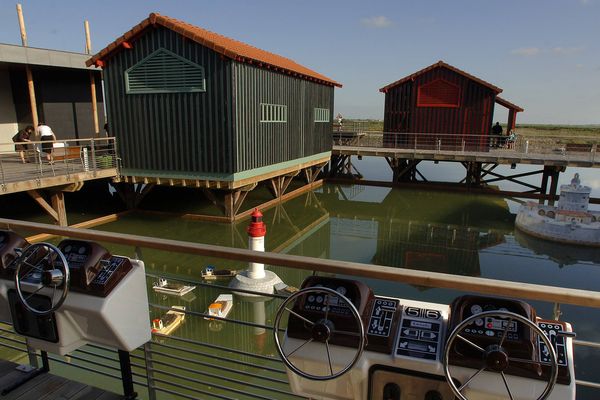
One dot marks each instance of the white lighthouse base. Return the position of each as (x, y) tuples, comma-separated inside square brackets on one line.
[(262, 285)]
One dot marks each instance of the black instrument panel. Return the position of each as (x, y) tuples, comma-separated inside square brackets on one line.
[(493, 326), (93, 269)]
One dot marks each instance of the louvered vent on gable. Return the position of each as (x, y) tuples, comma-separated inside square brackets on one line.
[(164, 72), (439, 93)]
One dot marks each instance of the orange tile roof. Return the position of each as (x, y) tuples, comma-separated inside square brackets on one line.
[(230, 48), (437, 65)]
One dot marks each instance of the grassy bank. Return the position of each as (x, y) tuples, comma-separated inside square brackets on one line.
[(563, 131)]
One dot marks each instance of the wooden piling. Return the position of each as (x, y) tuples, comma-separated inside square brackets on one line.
[(88, 50), (30, 83)]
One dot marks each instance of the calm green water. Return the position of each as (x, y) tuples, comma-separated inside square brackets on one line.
[(435, 231)]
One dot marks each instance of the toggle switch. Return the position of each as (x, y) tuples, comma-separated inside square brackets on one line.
[(391, 391)]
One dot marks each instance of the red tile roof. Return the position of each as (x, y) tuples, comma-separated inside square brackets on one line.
[(444, 65), (230, 48)]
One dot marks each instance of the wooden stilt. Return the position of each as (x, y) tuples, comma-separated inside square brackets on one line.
[(554, 184), (94, 105), (88, 50), (131, 195), (58, 203), (229, 204), (544, 187), (43, 203), (30, 85), (57, 209), (311, 173)]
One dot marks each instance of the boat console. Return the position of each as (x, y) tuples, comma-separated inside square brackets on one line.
[(63, 297), (343, 342)]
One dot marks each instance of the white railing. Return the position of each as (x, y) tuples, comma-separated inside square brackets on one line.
[(578, 149)]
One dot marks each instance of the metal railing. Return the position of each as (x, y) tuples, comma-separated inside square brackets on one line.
[(188, 368), (67, 157), (576, 148)]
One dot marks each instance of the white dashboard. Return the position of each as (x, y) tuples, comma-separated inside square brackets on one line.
[(405, 347), (103, 298)]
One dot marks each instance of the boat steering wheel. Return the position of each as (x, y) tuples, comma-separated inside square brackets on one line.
[(496, 358), (321, 331), (44, 265)]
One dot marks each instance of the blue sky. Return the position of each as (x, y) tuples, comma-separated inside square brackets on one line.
[(544, 54)]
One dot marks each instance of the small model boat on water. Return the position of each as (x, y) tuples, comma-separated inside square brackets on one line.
[(166, 324), (570, 222), (177, 289), (211, 273), (285, 290), (220, 307)]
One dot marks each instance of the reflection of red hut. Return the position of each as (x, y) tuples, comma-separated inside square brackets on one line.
[(442, 99)]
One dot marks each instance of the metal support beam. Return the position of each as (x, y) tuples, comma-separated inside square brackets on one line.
[(511, 178), (126, 375)]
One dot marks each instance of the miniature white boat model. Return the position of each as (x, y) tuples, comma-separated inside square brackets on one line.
[(220, 307), (211, 273), (570, 222), (166, 324), (177, 289), (285, 290)]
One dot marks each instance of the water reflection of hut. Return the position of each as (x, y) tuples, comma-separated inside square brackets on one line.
[(431, 231), (433, 247), (563, 254)]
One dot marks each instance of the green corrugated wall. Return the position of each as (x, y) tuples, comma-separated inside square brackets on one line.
[(214, 132)]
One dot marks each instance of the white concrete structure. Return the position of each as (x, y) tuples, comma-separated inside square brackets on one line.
[(570, 222)]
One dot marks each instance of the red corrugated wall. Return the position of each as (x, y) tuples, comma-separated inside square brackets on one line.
[(473, 116)]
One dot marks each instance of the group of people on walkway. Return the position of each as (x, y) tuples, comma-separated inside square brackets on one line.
[(45, 135), (499, 140)]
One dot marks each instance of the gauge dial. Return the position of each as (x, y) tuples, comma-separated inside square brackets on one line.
[(476, 309), (341, 290)]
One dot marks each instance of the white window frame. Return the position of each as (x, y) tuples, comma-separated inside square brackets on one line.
[(276, 113), (322, 115)]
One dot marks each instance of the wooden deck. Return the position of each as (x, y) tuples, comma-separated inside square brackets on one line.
[(48, 387), (18, 177)]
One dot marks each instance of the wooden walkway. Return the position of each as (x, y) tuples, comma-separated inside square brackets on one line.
[(48, 387), (496, 156)]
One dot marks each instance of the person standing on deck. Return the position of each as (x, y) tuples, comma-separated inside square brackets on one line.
[(46, 135), (497, 132), (22, 136)]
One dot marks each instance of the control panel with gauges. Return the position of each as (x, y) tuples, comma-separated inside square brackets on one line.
[(62, 297), (341, 341)]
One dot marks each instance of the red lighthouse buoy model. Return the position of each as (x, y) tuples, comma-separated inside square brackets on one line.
[(256, 241), (256, 278)]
